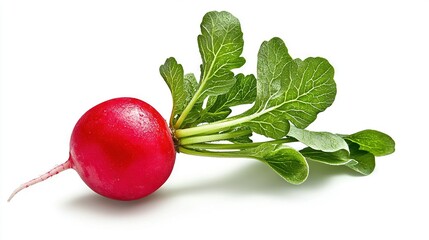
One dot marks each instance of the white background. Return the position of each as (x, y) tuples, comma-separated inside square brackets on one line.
[(59, 58)]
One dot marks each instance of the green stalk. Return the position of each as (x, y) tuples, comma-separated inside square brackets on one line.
[(233, 146), (234, 154), (188, 108), (195, 97), (219, 125), (214, 137), (207, 128)]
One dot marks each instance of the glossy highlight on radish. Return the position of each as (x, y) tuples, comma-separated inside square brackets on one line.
[(121, 148)]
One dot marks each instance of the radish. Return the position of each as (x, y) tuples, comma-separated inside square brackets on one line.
[(121, 148)]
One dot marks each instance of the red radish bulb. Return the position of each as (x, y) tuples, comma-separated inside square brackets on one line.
[(121, 148)]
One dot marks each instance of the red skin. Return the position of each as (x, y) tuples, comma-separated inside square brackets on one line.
[(121, 148)]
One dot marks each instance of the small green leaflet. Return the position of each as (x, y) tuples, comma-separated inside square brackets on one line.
[(191, 86), (220, 44), (365, 145), (219, 107), (243, 92), (373, 141), (273, 61), (340, 157), (289, 164), (322, 147), (324, 141), (273, 71), (182, 86), (284, 160), (172, 73), (364, 161)]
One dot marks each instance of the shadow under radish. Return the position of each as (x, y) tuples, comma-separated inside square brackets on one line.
[(92, 202), (254, 178), (258, 178)]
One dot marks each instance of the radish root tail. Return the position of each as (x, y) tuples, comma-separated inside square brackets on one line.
[(42, 178)]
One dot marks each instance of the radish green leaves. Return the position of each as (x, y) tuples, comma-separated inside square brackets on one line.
[(284, 98), (221, 44)]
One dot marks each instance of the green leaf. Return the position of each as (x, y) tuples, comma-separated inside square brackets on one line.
[(286, 90), (287, 96), (285, 161), (219, 107), (243, 92), (221, 44), (273, 61), (364, 161), (311, 89), (218, 115), (373, 141), (269, 124), (289, 90), (289, 164), (324, 141), (191, 86), (273, 71), (172, 73), (340, 157)]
